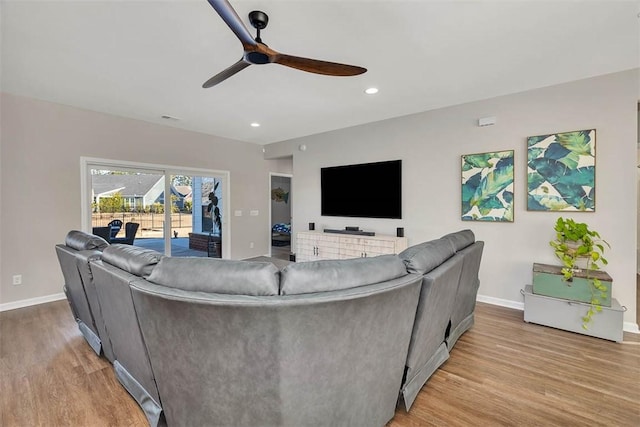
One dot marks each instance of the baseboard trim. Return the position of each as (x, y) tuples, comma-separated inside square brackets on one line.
[(626, 326), (31, 301), (631, 327), (501, 302)]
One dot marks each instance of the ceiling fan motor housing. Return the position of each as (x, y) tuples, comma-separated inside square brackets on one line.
[(258, 19), (256, 58)]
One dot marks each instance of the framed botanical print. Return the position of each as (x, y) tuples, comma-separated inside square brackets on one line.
[(487, 186), (561, 171)]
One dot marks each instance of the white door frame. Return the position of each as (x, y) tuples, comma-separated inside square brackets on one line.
[(285, 175), (85, 190)]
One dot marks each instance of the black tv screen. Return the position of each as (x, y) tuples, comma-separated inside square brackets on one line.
[(368, 190)]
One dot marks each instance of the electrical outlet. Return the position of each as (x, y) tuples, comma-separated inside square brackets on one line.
[(251, 245), (17, 279)]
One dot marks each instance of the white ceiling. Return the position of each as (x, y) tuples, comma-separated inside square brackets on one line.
[(147, 58)]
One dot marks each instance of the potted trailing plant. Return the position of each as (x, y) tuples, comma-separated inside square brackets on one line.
[(576, 245)]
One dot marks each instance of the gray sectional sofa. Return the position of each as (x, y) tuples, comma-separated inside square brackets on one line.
[(74, 257), (449, 268), (120, 265), (202, 341)]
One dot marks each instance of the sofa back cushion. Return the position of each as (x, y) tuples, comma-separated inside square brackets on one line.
[(81, 241), (460, 239), (132, 259), (217, 275), (424, 257), (73, 283), (331, 275)]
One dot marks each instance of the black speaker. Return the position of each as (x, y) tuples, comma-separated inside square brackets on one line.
[(400, 231), (312, 226)]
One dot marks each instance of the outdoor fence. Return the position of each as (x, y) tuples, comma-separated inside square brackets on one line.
[(147, 221)]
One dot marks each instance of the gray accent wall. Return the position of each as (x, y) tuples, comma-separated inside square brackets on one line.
[(41, 148), (430, 145)]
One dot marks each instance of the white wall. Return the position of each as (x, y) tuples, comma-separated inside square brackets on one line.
[(638, 195), (40, 182), (430, 145)]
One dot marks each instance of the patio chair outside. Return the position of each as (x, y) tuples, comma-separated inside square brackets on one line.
[(115, 225), (130, 230), (104, 232)]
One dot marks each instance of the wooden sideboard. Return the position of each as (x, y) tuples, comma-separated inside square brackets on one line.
[(316, 245)]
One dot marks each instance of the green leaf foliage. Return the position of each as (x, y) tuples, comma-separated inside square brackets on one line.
[(533, 140), (576, 240), (466, 166), (550, 169), (534, 180), (504, 163), (556, 151), (534, 153), (470, 185), (578, 142), (574, 195), (489, 203), (478, 160), (493, 183), (547, 202)]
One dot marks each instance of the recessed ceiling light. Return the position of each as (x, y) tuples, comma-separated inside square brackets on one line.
[(255, 125), (371, 90)]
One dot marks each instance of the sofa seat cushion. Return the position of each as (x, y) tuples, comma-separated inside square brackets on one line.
[(132, 259), (424, 257), (217, 276), (460, 239), (331, 275), (81, 241)]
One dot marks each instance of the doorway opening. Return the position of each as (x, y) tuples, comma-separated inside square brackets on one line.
[(280, 215)]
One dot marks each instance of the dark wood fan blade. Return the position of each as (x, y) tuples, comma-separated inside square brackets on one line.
[(318, 67), (223, 75), (231, 18)]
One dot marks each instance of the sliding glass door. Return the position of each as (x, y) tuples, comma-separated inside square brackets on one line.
[(176, 211), (202, 199)]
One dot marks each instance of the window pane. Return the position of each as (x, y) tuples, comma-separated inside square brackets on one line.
[(123, 198), (196, 217)]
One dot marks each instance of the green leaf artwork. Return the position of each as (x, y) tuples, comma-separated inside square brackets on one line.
[(487, 186), (561, 170)]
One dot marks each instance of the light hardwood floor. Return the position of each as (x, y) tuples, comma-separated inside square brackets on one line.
[(502, 372)]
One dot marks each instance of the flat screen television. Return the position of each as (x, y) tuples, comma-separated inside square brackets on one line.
[(367, 190)]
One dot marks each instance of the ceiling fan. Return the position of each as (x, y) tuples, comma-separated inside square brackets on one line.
[(256, 52)]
